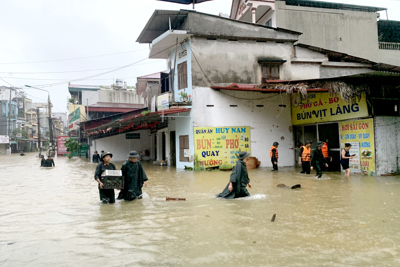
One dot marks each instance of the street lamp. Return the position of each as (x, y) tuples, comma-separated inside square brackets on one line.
[(49, 103)]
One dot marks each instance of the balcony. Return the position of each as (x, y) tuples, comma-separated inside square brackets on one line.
[(389, 46)]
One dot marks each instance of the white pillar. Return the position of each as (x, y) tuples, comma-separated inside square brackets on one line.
[(253, 15)]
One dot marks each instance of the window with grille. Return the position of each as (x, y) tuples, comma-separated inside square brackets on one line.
[(270, 72), (183, 144), (182, 75)]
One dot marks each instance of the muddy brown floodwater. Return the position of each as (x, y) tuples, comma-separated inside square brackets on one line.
[(53, 217)]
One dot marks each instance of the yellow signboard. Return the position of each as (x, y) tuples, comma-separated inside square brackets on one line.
[(323, 107), (215, 146), (362, 132)]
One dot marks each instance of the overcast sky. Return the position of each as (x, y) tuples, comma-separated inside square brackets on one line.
[(94, 36)]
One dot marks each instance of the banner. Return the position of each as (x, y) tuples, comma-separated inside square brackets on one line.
[(360, 132), (74, 118), (322, 107), (163, 102), (4, 139), (215, 146), (61, 149)]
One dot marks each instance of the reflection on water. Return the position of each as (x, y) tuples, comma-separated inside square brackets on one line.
[(54, 217)]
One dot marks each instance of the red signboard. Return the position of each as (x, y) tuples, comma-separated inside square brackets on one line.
[(61, 149)]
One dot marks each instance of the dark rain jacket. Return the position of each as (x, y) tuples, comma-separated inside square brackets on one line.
[(49, 163), (96, 158), (101, 167), (134, 178), (239, 179), (317, 158)]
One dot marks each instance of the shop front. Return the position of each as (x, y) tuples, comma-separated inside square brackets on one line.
[(328, 118)]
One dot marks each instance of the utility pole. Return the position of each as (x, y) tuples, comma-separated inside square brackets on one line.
[(50, 127), (38, 131), (9, 115)]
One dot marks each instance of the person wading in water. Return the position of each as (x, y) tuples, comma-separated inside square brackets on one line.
[(106, 195), (239, 180), (134, 178)]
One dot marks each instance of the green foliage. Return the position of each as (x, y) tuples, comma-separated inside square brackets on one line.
[(225, 166), (25, 134), (183, 94), (144, 113), (71, 100), (197, 165), (72, 146), (69, 156)]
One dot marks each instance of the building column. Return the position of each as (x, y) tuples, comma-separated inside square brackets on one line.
[(253, 14)]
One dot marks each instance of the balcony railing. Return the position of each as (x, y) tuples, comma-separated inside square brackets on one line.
[(389, 46)]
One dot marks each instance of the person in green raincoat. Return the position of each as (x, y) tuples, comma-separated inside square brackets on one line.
[(134, 178), (239, 180), (106, 195)]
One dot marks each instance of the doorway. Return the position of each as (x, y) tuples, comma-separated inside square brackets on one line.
[(172, 141), (327, 132), (163, 146)]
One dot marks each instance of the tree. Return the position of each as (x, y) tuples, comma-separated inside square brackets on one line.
[(72, 146)]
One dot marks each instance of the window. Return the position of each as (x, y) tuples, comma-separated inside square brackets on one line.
[(269, 23), (182, 75), (183, 144), (270, 72)]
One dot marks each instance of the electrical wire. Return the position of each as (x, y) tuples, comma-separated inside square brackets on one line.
[(67, 59), (69, 71), (92, 76)]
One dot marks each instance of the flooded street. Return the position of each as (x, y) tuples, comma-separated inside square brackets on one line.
[(53, 217)]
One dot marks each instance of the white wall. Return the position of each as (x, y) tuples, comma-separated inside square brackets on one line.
[(90, 96), (387, 144), (267, 124), (119, 146), (184, 126)]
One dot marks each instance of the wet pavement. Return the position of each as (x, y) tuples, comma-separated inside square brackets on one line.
[(53, 217)]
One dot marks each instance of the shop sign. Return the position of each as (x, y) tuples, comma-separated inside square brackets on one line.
[(132, 135), (4, 139), (74, 118), (323, 107), (215, 146), (163, 102), (360, 133), (61, 149)]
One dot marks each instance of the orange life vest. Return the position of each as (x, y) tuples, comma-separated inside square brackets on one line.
[(306, 155), (276, 152), (325, 150)]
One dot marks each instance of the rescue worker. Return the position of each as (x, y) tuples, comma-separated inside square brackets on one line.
[(274, 156), (239, 180), (318, 160), (101, 156), (106, 195), (305, 158), (345, 158), (42, 161), (325, 152), (96, 157), (134, 178), (49, 162)]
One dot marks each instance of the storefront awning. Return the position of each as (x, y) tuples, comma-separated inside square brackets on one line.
[(260, 88), (133, 123)]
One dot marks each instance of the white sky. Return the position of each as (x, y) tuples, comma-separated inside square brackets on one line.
[(49, 30)]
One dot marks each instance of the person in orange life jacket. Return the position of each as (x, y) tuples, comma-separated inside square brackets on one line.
[(326, 153), (345, 157), (318, 160), (305, 157), (274, 156)]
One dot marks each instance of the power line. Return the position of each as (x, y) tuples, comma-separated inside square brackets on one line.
[(92, 76), (66, 59), (69, 71)]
